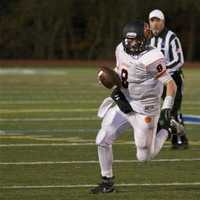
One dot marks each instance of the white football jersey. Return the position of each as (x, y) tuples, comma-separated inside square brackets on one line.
[(141, 78)]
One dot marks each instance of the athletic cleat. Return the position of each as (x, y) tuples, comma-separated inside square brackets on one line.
[(106, 186), (179, 142)]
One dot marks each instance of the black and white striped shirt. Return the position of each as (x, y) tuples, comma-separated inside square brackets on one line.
[(170, 45)]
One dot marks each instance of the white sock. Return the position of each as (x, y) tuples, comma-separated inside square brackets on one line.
[(105, 159), (160, 139)]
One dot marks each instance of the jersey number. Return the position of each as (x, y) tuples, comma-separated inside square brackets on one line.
[(160, 68), (124, 77)]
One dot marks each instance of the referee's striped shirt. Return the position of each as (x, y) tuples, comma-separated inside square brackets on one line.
[(170, 45)]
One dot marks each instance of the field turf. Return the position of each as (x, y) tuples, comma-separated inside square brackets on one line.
[(48, 126)]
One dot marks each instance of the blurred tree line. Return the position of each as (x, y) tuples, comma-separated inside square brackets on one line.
[(86, 29)]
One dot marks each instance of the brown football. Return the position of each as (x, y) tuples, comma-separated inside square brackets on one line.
[(108, 77)]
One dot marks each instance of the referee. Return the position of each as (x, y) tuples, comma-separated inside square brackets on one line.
[(167, 41)]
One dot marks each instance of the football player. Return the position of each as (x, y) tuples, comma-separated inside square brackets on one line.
[(136, 103)]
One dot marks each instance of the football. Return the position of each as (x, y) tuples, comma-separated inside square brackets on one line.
[(108, 77)]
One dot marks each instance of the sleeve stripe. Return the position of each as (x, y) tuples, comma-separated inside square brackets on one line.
[(175, 59), (171, 38), (176, 62), (156, 42), (171, 56)]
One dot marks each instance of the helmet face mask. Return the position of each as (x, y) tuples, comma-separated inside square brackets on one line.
[(134, 45), (134, 39)]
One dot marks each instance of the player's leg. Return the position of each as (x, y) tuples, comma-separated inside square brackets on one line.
[(113, 124), (148, 141), (161, 135), (180, 139), (143, 135)]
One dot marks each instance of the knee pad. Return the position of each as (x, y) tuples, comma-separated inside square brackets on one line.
[(100, 137), (105, 137)]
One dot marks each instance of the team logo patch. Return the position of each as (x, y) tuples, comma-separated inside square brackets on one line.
[(147, 119), (148, 108)]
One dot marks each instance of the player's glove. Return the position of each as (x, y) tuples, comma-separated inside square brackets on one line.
[(121, 101), (165, 117)]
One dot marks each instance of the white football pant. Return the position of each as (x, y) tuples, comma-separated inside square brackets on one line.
[(148, 142)]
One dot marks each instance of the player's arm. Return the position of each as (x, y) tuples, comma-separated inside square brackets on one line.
[(110, 79), (167, 80), (165, 115), (175, 53), (171, 88), (159, 71), (158, 68)]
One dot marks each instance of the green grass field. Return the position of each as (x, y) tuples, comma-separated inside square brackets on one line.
[(48, 127)]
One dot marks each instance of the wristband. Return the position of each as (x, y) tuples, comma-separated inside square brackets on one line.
[(168, 102)]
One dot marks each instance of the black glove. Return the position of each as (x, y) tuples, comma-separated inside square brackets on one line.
[(121, 101), (165, 117)]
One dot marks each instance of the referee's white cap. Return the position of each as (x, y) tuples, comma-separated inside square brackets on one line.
[(157, 14)]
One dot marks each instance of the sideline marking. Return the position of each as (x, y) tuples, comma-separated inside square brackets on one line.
[(91, 185), (95, 161)]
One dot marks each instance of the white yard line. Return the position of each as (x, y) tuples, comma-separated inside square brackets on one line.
[(50, 119), (67, 144), (50, 102), (50, 144), (6, 111), (93, 118), (61, 110), (95, 161), (31, 71), (72, 142), (92, 185), (68, 101), (10, 132)]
